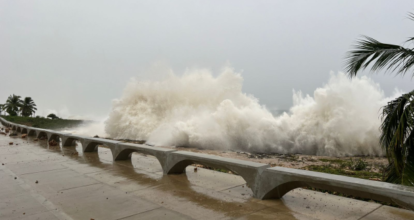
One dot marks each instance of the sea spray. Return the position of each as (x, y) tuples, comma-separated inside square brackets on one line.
[(199, 110)]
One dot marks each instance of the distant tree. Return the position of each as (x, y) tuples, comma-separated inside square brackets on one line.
[(13, 105), (52, 116), (397, 129), (28, 107)]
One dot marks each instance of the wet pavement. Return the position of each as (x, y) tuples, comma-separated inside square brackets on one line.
[(42, 182)]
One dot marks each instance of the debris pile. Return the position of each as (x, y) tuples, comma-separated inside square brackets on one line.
[(53, 143)]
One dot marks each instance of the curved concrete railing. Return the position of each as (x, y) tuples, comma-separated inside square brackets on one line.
[(265, 182)]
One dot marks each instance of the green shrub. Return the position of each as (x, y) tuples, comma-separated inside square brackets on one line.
[(358, 165)]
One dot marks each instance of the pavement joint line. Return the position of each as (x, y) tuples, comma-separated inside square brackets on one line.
[(78, 187), (370, 212), (42, 200), (92, 172), (43, 171), (231, 187)]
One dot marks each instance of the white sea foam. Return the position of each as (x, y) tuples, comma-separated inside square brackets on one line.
[(200, 110)]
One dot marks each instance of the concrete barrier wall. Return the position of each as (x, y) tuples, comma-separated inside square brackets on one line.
[(265, 182)]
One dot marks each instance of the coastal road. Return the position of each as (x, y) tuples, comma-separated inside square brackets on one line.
[(42, 182)]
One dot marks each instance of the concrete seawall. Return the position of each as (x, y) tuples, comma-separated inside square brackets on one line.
[(265, 182)]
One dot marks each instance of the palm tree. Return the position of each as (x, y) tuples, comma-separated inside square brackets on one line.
[(397, 128), (28, 107), (13, 104)]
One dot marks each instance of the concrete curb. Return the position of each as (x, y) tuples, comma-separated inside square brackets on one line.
[(265, 182)]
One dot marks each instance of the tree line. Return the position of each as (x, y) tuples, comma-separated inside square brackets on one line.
[(15, 106)]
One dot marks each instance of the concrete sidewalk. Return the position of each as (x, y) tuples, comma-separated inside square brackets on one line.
[(41, 182)]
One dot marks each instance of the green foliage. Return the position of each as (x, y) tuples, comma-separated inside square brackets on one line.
[(44, 122), (52, 116), (364, 174), (331, 160), (13, 105), (397, 136), (358, 165), (382, 56), (28, 107)]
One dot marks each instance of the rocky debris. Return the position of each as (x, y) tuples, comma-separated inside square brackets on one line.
[(195, 169), (3, 133), (42, 138), (130, 141), (13, 134), (24, 135), (11, 143), (36, 139), (96, 136), (53, 143), (7, 130), (37, 182), (375, 179), (260, 155), (349, 172)]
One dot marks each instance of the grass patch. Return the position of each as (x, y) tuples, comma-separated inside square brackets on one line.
[(332, 160), (357, 165), (215, 169), (44, 122), (363, 174)]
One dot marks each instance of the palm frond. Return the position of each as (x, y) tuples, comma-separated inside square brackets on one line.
[(397, 128), (382, 56), (411, 16), (397, 138), (28, 107)]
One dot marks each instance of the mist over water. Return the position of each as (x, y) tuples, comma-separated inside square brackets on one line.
[(198, 109)]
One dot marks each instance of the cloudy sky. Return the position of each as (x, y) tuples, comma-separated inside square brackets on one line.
[(74, 57)]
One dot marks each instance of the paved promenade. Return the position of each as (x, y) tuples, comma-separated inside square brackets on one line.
[(41, 182)]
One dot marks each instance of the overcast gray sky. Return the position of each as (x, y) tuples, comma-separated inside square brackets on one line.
[(79, 55)]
